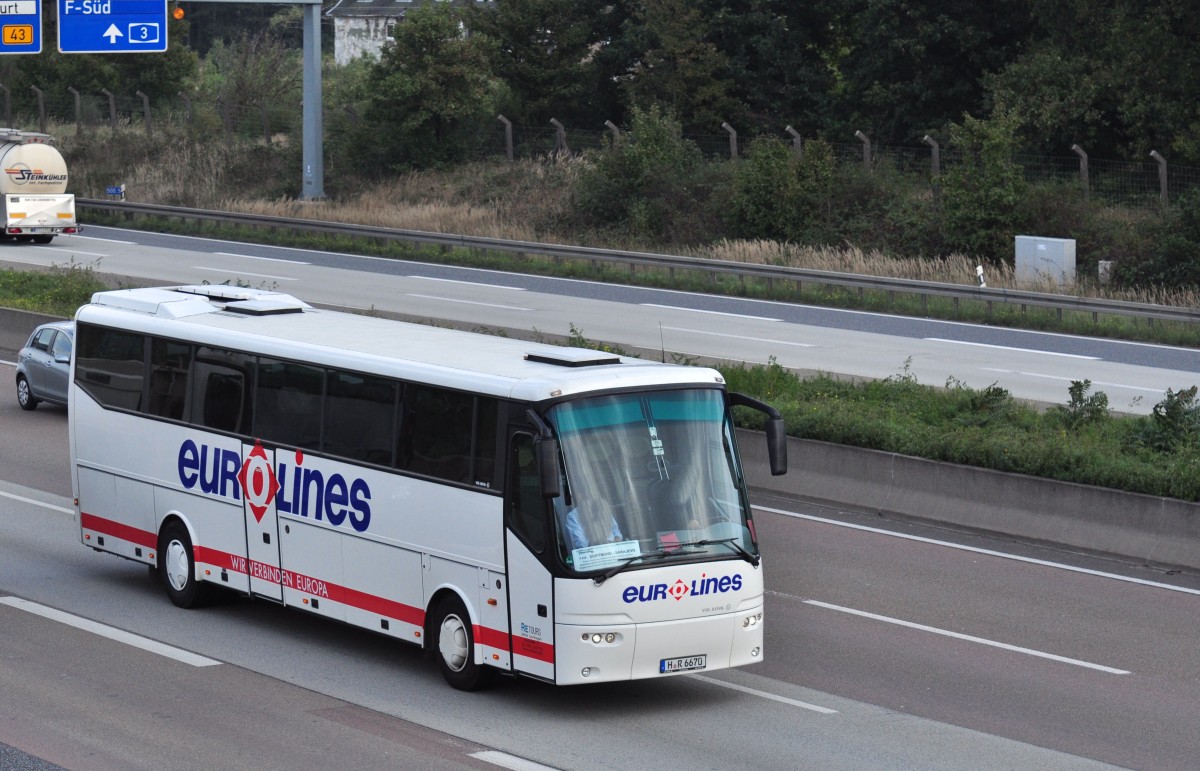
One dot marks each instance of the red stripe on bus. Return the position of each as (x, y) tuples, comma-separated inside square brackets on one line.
[(492, 638), (117, 530)]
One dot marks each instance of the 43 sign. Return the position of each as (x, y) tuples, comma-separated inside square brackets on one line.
[(20, 27)]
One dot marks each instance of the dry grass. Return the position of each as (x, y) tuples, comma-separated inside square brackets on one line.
[(528, 200)]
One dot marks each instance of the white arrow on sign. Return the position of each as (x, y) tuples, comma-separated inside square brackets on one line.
[(112, 33)]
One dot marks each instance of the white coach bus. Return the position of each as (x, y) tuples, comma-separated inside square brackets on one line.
[(562, 513)]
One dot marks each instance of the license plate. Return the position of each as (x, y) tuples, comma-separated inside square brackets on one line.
[(682, 664), (41, 230)]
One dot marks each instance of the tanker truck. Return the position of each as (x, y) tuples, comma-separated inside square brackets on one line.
[(36, 205)]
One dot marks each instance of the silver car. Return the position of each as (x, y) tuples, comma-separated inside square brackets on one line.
[(44, 365)]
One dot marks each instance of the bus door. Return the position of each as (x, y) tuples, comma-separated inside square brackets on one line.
[(260, 487), (530, 584)]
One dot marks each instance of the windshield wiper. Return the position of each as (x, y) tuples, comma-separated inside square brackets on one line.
[(661, 554), (732, 543)]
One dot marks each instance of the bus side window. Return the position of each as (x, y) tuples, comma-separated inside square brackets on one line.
[(220, 397), (435, 434), (110, 366), (288, 402), (170, 363), (527, 507), (359, 417)]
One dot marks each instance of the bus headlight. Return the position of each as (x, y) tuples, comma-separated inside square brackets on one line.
[(751, 621), (601, 638)]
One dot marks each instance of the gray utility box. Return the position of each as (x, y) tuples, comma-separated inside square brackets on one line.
[(1041, 259)]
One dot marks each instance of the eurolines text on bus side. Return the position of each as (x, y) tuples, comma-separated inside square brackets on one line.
[(294, 490)]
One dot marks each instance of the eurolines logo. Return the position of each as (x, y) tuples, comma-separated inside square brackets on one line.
[(699, 587), (291, 488)]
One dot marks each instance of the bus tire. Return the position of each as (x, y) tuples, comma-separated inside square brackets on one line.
[(454, 646), (177, 566)]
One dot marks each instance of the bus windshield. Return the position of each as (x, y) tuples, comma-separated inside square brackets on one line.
[(649, 477)]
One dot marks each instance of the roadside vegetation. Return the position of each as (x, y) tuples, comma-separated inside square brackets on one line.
[(411, 144), (1081, 440)]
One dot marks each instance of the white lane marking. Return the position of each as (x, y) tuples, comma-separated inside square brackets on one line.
[(469, 302), (1011, 348), (988, 552), (9, 363), (266, 259), (959, 636), (765, 695), (1072, 379), (244, 273), (504, 760), (469, 283), (112, 633), (105, 240), (711, 313), (739, 337), (70, 251), (23, 499)]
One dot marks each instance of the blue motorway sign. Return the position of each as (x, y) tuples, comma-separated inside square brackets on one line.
[(111, 26), (20, 26)]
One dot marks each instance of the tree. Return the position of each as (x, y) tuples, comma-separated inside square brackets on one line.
[(543, 51), (911, 68), (777, 61), (677, 66), (1113, 77), (981, 190), (432, 93)]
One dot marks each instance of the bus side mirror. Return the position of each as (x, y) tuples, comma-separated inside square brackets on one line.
[(776, 435), (547, 460), (777, 446)]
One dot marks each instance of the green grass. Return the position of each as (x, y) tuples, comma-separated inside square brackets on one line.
[(57, 292), (1078, 441)]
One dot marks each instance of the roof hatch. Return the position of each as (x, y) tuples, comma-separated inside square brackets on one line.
[(573, 357)]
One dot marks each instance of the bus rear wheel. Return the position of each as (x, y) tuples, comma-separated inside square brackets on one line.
[(454, 644), (177, 566)]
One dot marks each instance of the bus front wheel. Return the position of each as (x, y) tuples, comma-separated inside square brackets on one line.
[(177, 566), (455, 647)]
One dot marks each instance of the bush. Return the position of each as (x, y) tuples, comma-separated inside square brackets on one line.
[(645, 180)]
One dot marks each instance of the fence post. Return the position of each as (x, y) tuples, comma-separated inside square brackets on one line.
[(560, 137), (225, 121), (262, 106), (187, 113), (797, 143), (508, 149), (112, 109), (616, 132), (866, 149), (733, 148), (78, 115), (935, 164), (7, 105), (1162, 176), (145, 111), (41, 109), (1083, 169)]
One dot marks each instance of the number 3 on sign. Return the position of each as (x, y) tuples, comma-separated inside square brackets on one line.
[(18, 34)]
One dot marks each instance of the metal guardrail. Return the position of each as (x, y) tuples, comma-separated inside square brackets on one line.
[(770, 273)]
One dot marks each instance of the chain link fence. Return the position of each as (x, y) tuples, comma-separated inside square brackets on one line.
[(1153, 182)]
